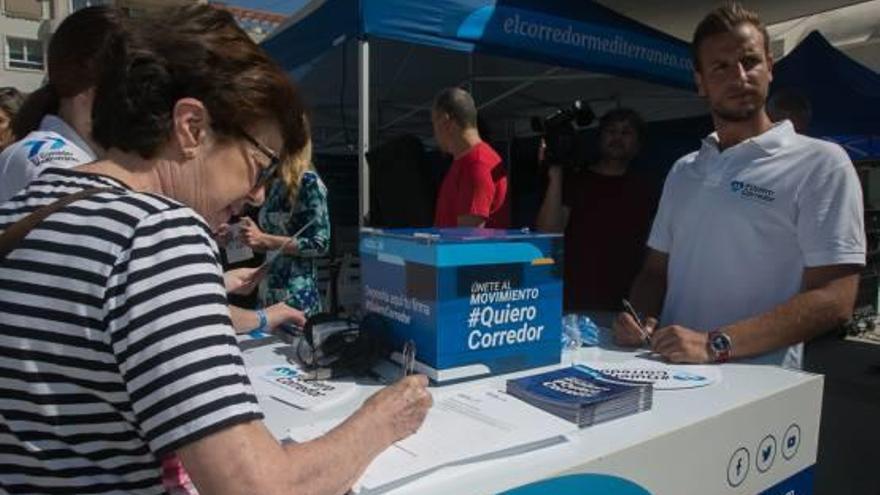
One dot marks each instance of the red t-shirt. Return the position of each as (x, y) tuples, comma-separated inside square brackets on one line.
[(476, 184), (605, 237)]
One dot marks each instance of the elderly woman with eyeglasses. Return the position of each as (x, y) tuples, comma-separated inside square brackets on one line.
[(117, 342)]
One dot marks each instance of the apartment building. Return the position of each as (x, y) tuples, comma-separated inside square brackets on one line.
[(27, 25)]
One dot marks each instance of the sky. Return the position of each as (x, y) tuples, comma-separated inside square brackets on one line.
[(285, 7)]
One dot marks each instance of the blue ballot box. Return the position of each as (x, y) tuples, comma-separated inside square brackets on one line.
[(474, 301)]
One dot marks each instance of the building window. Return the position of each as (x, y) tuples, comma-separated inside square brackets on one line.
[(24, 54), (81, 4), (23, 9)]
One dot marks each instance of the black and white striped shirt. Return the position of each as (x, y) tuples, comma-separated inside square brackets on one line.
[(116, 346)]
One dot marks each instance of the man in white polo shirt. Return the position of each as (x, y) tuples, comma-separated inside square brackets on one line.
[(759, 237)]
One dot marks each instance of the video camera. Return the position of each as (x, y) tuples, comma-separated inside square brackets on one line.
[(559, 132)]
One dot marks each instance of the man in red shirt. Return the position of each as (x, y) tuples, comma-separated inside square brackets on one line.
[(474, 190), (605, 211)]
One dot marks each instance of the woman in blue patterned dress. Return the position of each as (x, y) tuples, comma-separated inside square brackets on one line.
[(294, 219)]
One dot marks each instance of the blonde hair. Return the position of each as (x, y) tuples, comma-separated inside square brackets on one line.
[(291, 171)]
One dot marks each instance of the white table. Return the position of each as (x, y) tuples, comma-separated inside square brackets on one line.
[(712, 440)]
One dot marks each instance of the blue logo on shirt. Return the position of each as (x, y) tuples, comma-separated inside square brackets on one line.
[(753, 192), (37, 144)]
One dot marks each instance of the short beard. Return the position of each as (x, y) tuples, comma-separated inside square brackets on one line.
[(735, 116)]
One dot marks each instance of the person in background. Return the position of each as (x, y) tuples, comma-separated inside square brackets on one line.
[(294, 220), (605, 211), (792, 105), (117, 337), (474, 191), (54, 126), (759, 238), (11, 100)]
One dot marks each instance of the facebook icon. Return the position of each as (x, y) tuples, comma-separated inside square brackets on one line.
[(738, 467)]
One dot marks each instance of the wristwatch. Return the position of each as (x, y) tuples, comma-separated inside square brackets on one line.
[(720, 346)]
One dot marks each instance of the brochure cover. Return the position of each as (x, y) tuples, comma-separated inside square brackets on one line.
[(663, 376), (293, 386)]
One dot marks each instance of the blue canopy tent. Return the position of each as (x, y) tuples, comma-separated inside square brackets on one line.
[(844, 95), (581, 35)]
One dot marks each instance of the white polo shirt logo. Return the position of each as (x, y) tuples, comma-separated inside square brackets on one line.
[(753, 192)]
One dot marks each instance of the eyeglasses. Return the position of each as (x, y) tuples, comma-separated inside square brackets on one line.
[(268, 172)]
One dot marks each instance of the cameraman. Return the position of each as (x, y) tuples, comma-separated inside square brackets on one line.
[(605, 212)]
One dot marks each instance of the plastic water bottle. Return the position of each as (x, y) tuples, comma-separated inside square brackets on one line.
[(571, 336), (578, 330)]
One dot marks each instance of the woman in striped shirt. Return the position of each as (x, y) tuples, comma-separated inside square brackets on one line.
[(116, 342)]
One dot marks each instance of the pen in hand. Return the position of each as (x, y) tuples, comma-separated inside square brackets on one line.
[(409, 359), (646, 337), (271, 255)]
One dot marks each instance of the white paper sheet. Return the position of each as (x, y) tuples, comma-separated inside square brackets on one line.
[(470, 425), (236, 249)]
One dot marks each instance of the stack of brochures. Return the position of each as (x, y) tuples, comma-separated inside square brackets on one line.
[(582, 395)]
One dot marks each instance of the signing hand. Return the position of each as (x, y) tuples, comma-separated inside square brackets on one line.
[(681, 345), (626, 330), (243, 280), (399, 409)]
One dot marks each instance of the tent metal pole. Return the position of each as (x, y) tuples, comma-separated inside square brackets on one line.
[(516, 89), (363, 129), (427, 104)]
